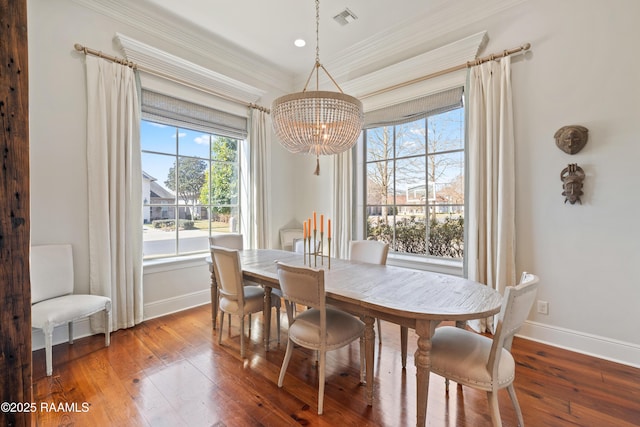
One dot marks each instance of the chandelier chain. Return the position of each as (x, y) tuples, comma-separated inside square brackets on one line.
[(317, 32)]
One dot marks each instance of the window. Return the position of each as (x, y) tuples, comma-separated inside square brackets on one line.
[(414, 189), (190, 175)]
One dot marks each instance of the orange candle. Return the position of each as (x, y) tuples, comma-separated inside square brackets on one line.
[(321, 223), (304, 232), (329, 228), (309, 226), (314, 221)]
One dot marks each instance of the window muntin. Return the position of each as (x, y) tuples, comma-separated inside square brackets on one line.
[(414, 187), (190, 188)]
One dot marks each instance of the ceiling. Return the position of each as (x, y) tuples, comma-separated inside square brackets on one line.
[(267, 29)]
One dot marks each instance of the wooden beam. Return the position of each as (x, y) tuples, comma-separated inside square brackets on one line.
[(15, 293)]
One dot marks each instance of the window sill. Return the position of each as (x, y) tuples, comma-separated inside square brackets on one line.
[(443, 266), (159, 265)]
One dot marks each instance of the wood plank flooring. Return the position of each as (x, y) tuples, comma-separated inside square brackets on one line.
[(170, 371)]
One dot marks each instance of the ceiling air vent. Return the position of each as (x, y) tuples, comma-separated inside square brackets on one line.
[(345, 17)]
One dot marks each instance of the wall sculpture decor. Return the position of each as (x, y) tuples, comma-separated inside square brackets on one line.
[(571, 139), (572, 177)]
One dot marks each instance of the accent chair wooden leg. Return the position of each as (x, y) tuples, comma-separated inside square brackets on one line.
[(494, 408), (516, 405)]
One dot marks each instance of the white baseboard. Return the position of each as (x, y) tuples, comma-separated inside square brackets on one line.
[(592, 345)]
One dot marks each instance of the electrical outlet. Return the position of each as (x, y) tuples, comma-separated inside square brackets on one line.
[(543, 307)]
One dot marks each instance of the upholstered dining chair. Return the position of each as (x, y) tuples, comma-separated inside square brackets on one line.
[(373, 252), (236, 298), (320, 328), (227, 240), (483, 363), (236, 241), (53, 302)]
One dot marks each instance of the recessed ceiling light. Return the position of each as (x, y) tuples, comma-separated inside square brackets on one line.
[(300, 42)]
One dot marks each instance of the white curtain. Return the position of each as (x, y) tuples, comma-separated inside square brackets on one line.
[(258, 219), (115, 189), (342, 217), (490, 249)]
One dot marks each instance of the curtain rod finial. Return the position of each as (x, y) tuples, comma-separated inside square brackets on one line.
[(78, 47), (526, 46)]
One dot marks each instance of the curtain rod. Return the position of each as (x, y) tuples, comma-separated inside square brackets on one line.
[(467, 64), (131, 64)]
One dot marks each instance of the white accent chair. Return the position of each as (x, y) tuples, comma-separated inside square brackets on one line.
[(53, 302), (483, 363), (320, 327), (373, 252), (234, 297)]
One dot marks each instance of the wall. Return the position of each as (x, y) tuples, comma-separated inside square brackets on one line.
[(581, 70)]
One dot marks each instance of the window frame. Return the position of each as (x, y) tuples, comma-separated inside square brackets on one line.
[(176, 205), (422, 261)]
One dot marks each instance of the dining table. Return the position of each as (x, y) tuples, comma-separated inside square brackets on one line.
[(412, 298)]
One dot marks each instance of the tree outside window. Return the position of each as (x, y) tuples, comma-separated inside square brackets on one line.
[(415, 185)]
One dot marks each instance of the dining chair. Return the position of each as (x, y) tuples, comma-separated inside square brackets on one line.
[(483, 363), (373, 252), (320, 328), (53, 302), (236, 241), (227, 240), (236, 298)]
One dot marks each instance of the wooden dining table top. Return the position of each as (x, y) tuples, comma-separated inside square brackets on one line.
[(411, 293)]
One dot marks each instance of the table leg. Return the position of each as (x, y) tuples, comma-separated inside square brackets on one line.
[(425, 330), (267, 316), (370, 348), (404, 334), (214, 297)]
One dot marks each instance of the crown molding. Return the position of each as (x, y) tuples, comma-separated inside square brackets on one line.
[(408, 39), (181, 70), (233, 60), (442, 58)]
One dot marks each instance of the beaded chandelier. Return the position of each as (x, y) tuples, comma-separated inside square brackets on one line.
[(317, 122)]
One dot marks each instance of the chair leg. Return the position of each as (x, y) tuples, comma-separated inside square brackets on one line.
[(278, 323), (48, 344), (70, 326), (107, 328), (222, 326), (404, 337), (323, 358), (285, 362), (516, 405), (242, 334), (494, 408)]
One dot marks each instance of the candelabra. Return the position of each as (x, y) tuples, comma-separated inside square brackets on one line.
[(318, 246)]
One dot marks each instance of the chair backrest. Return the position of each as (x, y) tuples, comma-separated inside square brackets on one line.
[(288, 236), (516, 305), (226, 267), (227, 240), (370, 251), (302, 285), (51, 272)]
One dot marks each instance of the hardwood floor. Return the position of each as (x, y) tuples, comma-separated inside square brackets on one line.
[(171, 371)]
